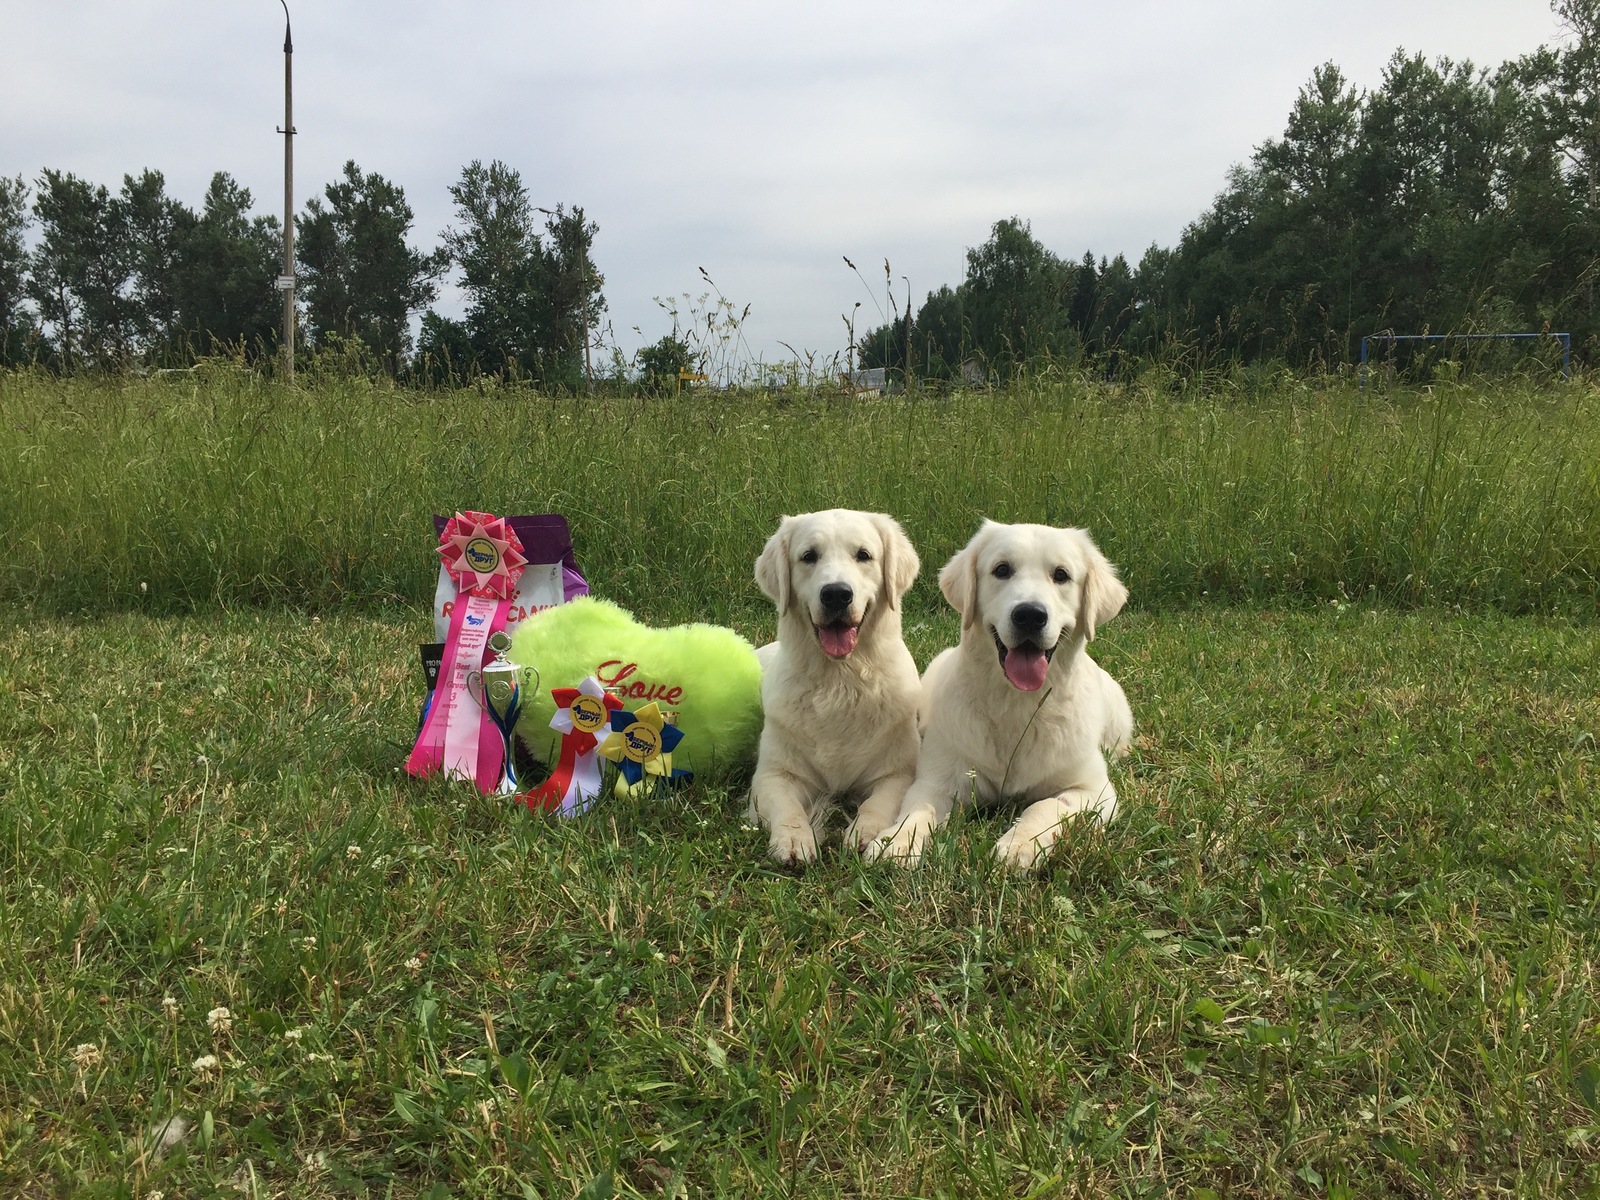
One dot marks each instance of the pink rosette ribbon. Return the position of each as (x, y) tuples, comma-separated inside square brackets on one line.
[(484, 559)]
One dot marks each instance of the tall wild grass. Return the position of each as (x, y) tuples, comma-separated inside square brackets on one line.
[(221, 488)]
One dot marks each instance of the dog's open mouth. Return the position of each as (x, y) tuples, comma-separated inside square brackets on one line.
[(1025, 664), (838, 638)]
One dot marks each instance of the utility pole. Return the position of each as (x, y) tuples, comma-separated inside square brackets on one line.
[(286, 280)]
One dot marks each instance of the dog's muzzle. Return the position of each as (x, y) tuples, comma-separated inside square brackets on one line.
[(1025, 664), (836, 632)]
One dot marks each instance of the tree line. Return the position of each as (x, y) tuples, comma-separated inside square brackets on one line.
[(136, 277), (1447, 199)]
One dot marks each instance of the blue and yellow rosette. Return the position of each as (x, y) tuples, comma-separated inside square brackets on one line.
[(641, 743)]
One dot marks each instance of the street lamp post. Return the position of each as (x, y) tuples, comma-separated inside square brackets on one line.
[(286, 280)]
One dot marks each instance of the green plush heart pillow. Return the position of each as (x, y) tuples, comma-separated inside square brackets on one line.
[(706, 675)]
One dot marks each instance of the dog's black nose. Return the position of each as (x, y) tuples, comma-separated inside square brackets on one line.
[(836, 597), (1029, 619)]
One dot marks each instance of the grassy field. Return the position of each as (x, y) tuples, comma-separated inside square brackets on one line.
[(1343, 941), (177, 496)]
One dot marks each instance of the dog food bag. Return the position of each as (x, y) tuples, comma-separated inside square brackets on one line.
[(550, 578)]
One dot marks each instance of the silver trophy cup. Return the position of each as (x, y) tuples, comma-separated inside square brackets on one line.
[(499, 691)]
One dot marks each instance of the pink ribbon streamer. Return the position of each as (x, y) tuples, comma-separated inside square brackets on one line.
[(458, 738)]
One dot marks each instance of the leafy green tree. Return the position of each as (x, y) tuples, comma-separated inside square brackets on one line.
[(157, 226), (660, 365), (15, 327), (81, 270), (530, 295), (1015, 299), (445, 354), (940, 338), (224, 272), (362, 280), (884, 346)]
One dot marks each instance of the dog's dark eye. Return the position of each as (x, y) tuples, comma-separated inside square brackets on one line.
[(863, 555), (1002, 570), (809, 557), (1062, 575)]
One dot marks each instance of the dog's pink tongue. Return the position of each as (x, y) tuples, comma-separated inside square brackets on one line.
[(1026, 668), (838, 640)]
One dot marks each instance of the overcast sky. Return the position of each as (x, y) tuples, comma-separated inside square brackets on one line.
[(761, 142)]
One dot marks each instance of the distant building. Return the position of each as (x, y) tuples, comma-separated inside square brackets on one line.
[(873, 380)]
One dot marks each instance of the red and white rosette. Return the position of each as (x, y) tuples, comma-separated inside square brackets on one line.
[(582, 714), (484, 559)]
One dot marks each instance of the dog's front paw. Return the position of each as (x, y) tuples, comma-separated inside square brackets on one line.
[(794, 845), (864, 831), (903, 843), (1022, 849)]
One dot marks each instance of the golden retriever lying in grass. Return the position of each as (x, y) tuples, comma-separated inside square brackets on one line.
[(1018, 710), (838, 688)]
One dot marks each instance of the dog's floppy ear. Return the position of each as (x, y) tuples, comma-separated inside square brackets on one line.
[(958, 580), (1103, 594), (772, 568), (900, 562)]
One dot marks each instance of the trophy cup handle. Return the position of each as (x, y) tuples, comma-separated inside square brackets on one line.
[(475, 688)]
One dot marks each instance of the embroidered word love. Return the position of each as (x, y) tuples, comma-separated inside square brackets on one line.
[(617, 678)]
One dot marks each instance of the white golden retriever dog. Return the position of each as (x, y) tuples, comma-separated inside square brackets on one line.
[(839, 688), (1018, 710)]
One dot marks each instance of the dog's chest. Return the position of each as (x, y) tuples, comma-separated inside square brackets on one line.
[(840, 702), (847, 728), (1030, 750)]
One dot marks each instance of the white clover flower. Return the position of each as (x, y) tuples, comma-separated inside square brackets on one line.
[(169, 1007), (319, 1058), (293, 1035), (281, 907), (414, 965), (352, 852), (220, 1020), (86, 1056), (207, 1066), (308, 943)]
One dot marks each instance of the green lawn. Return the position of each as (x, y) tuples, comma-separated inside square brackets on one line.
[(1342, 942)]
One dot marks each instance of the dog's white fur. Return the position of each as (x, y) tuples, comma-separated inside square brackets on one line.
[(835, 726), (987, 740)]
